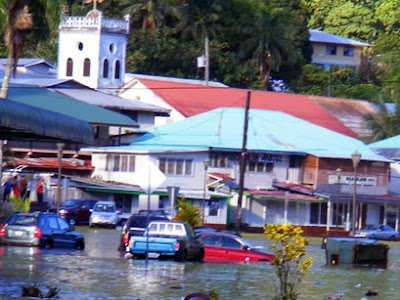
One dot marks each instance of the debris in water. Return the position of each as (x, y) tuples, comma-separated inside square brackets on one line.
[(358, 285), (197, 296), (371, 293), (33, 291)]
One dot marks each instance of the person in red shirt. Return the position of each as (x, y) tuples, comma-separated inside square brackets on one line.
[(39, 190)]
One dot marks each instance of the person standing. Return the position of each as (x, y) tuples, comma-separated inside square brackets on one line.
[(15, 186), (22, 187), (7, 188), (39, 190)]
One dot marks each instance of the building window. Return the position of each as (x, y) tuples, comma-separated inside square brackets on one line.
[(318, 213), (105, 68), (117, 70), (86, 67), (80, 46), (112, 48), (120, 163), (176, 166), (259, 166), (330, 49), (219, 160), (213, 208), (348, 51), (70, 66)]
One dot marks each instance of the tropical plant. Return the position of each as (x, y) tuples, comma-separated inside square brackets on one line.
[(289, 261), (188, 213)]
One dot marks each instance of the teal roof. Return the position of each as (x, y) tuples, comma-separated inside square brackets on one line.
[(24, 122), (55, 102), (389, 143), (269, 131)]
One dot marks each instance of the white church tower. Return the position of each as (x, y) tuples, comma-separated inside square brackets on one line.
[(92, 50)]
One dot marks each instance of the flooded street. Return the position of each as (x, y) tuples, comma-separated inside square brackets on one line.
[(100, 272)]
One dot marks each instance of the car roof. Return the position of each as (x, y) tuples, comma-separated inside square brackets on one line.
[(207, 233), (168, 221)]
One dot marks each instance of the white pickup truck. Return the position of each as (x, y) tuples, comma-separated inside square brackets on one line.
[(167, 239), (106, 213)]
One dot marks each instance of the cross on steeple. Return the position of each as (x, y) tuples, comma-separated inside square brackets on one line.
[(94, 3)]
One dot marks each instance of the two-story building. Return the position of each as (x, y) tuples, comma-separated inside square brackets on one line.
[(291, 172), (333, 50)]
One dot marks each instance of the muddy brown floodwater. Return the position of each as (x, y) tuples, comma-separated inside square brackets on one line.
[(100, 272)]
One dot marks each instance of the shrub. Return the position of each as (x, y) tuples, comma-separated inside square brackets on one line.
[(291, 265), (18, 204), (188, 213)]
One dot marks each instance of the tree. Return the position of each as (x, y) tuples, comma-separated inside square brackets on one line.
[(19, 20), (188, 213), (289, 261)]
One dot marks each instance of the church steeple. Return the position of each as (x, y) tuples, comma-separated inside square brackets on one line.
[(92, 49)]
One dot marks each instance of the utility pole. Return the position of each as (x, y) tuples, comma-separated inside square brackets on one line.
[(243, 160), (207, 68)]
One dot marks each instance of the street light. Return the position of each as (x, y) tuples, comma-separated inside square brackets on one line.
[(206, 163), (338, 171), (355, 157), (60, 147)]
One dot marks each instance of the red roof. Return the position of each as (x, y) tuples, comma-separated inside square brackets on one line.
[(52, 163), (220, 176), (192, 99)]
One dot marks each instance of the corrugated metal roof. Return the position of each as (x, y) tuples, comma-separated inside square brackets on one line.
[(318, 36), (281, 196), (27, 62), (19, 121), (190, 100), (389, 143), (55, 102), (269, 131), (131, 76)]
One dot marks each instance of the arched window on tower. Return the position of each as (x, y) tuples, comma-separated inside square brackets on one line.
[(86, 67), (117, 70), (105, 68), (70, 66)]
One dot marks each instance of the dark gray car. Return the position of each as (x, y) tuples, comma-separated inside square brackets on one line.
[(40, 229)]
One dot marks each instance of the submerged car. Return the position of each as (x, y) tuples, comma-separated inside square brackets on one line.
[(77, 210), (225, 247), (45, 230), (378, 232), (136, 226), (104, 213)]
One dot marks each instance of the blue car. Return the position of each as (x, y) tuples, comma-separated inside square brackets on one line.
[(45, 230), (378, 232)]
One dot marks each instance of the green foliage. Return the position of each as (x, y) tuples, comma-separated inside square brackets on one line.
[(188, 213), (18, 204), (290, 263)]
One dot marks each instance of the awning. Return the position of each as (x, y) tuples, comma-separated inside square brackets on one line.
[(280, 196), (24, 122)]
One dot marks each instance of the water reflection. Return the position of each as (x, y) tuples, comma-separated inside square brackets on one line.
[(100, 272)]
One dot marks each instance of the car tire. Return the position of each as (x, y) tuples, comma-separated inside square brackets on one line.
[(200, 256), (181, 256), (392, 238), (122, 222), (91, 225), (71, 220), (47, 244), (79, 245)]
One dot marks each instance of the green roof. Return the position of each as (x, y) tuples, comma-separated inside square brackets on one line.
[(24, 122), (55, 102)]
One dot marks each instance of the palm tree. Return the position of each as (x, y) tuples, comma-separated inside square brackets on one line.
[(199, 19), (150, 13), (268, 41), (385, 123), (19, 21)]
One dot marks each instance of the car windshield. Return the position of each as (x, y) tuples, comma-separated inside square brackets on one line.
[(23, 220), (71, 203), (370, 227), (104, 207), (248, 245)]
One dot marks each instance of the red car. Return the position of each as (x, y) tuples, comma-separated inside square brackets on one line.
[(224, 247)]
